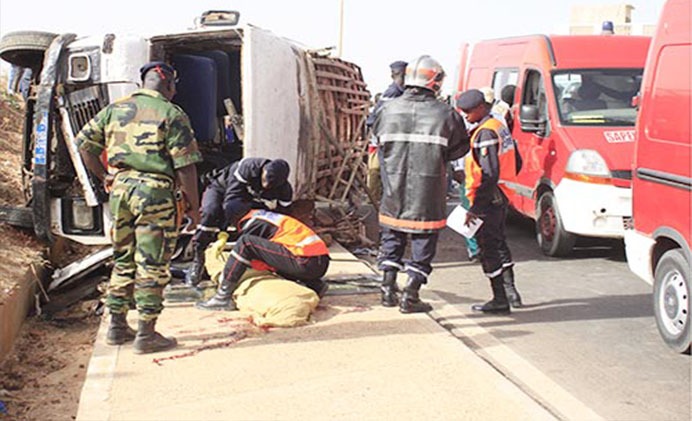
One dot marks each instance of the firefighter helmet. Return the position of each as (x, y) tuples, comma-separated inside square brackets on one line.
[(425, 72)]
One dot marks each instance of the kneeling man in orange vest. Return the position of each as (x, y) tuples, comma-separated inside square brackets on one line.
[(275, 242)]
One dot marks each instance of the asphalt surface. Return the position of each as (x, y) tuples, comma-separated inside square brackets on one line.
[(587, 326)]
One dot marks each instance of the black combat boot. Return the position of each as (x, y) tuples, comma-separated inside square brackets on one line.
[(196, 270), (510, 289), (319, 286), (389, 289), (222, 300), (499, 303), (148, 340), (410, 300), (119, 332)]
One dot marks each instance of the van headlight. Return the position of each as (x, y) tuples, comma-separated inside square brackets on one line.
[(588, 166), (79, 68), (78, 218)]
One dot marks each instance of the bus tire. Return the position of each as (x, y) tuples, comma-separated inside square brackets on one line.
[(25, 48)]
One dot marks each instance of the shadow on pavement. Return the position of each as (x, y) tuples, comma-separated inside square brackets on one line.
[(562, 310)]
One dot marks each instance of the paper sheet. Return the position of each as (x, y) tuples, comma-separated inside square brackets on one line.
[(456, 220)]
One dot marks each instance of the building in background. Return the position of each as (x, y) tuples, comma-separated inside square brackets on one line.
[(589, 20)]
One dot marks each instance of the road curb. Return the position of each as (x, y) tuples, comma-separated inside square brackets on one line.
[(516, 369), (14, 309)]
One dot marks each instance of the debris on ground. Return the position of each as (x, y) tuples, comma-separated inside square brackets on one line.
[(41, 377), (345, 226)]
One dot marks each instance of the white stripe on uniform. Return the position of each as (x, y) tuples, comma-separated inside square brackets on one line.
[(414, 138)]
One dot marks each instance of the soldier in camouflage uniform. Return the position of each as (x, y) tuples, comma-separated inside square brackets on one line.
[(150, 145)]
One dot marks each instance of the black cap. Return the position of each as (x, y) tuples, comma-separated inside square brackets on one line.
[(276, 172), (398, 66), (470, 99), (162, 66)]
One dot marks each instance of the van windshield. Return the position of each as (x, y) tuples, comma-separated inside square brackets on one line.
[(597, 97)]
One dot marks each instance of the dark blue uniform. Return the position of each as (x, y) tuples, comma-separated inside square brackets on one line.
[(233, 191)]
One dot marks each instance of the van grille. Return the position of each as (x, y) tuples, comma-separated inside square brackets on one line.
[(84, 104)]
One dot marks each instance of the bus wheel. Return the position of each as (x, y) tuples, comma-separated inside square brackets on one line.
[(551, 236), (672, 300), (25, 48)]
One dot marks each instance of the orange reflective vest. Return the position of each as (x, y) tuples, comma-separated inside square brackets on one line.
[(291, 233), (506, 158)]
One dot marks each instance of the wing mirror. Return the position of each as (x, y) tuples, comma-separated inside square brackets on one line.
[(530, 120)]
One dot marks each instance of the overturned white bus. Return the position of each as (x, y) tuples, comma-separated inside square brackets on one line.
[(247, 91)]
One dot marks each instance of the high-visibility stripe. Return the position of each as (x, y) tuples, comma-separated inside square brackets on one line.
[(240, 258), (414, 138), (494, 273), (297, 237), (416, 270), (389, 263), (207, 229), (486, 143), (309, 240), (421, 225), (237, 175)]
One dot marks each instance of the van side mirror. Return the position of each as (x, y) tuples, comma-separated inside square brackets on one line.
[(530, 119)]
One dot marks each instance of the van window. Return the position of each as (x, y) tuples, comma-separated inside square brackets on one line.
[(534, 93), (504, 77), (597, 97), (670, 96)]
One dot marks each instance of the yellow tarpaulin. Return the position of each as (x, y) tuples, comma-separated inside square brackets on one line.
[(268, 298)]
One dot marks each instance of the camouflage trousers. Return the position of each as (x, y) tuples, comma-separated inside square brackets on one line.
[(143, 234)]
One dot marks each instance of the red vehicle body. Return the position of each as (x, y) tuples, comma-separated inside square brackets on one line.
[(658, 249), (577, 149)]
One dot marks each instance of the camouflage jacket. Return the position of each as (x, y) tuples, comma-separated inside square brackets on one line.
[(144, 132)]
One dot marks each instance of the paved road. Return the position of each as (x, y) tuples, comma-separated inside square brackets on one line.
[(586, 340)]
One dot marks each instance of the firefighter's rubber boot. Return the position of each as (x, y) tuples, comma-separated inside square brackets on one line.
[(119, 332), (499, 303), (148, 340), (510, 289), (410, 300), (222, 300), (196, 270), (389, 289)]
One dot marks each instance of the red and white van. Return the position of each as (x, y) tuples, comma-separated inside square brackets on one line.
[(574, 125), (658, 248)]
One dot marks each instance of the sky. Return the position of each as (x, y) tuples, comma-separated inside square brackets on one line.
[(375, 32)]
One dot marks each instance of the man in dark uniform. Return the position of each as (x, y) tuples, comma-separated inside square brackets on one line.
[(395, 89), (492, 162), (275, 242), (251, 183), (417, 135)]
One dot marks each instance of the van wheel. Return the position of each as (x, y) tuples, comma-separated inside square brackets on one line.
[(672, 300), (25, 48), (551, 236)]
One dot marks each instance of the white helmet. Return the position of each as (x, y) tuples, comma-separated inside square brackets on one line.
[(424, 72)]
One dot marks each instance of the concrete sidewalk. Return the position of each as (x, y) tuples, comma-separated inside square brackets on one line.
[(357, 360)]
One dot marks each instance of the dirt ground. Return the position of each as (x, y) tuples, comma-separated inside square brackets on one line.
[(42, 377)]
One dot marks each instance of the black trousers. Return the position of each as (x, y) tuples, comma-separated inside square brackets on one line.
[(216, 214), (393, 246), (278, 258), (495, 255)]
